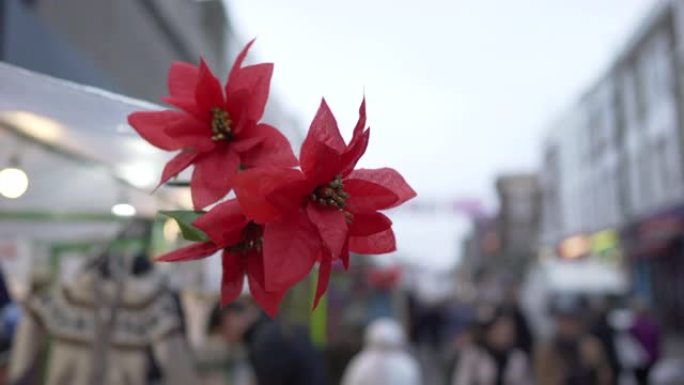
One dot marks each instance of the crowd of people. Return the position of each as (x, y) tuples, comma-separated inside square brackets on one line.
[(589, 345)]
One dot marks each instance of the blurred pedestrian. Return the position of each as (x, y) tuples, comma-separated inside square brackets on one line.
[(631, 355), (494, 359), (220, 362), (606, 334), (384, 359), (668, 371), (279, 353), (461, 343), (524, 340), (647, 333), (572, 356)]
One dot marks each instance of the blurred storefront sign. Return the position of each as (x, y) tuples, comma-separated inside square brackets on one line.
[(654, 246), (574, 247), (603, 245)]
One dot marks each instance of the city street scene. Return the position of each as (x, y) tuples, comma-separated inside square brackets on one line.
[(311, 192)]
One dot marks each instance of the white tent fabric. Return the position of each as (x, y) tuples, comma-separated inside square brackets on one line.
[(79, 153), (92, 159), (584, 277)]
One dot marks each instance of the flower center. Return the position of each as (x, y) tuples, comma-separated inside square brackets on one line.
[(220, 125), (331, 194), (252, 239)]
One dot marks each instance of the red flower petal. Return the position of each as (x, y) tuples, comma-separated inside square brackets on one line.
[(344, 257), (179, 163), (208, 93), (365, 224), (223, 223), (252, 187), (291, 247), (190, 253), (268, 300), (191, 133), (290, 196), (244, 145), (182, 80), (238, 62), (324, 129), (273, 150), (256, 79), (322, 148), (358, 143), (320, 163), (365, 196), (211, 178), (233, 277), (324, 269), (388, 178), (361, 123), (354, 152), (151, 126), (331, 226), (237, 108), (187, 105), (379, 243)]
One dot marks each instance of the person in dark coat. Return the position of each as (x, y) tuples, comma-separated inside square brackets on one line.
[(279, 353), (606, 334), (524, 340), (572, 356)]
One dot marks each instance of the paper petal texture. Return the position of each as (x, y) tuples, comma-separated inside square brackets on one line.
[(219, 124)]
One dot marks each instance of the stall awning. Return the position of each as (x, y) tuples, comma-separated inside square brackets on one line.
[(80, 155)]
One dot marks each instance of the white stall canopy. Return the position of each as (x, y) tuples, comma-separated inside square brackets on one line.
[(80, 156)]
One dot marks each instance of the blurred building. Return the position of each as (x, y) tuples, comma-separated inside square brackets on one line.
[(480, 246), (614, 160), (500, 248), (518, 220), (480, 249), (123, 46)]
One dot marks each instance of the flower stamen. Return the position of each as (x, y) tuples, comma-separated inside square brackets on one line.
[(252, 239), (331, 194), (221, 125)]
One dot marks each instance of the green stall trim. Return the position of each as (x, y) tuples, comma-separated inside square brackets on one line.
[(54, 216)]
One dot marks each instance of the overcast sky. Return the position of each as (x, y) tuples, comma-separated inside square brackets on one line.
[(458, 91)]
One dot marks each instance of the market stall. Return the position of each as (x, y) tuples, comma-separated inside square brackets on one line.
[(73, 171)]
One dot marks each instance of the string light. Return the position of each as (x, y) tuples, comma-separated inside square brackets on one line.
[(13, 180), (123, 210)]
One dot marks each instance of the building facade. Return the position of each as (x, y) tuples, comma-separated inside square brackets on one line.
[(123, 46), (615, 161), (616, 155), (498, 250), (518, 221)]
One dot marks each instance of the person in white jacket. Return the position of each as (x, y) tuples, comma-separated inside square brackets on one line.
[(384, 359)]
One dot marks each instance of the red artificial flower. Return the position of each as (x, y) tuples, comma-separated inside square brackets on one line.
[(242, 254), (215, 129), (324, 211)]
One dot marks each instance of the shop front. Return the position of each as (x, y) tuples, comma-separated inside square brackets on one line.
[(654, 249)]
